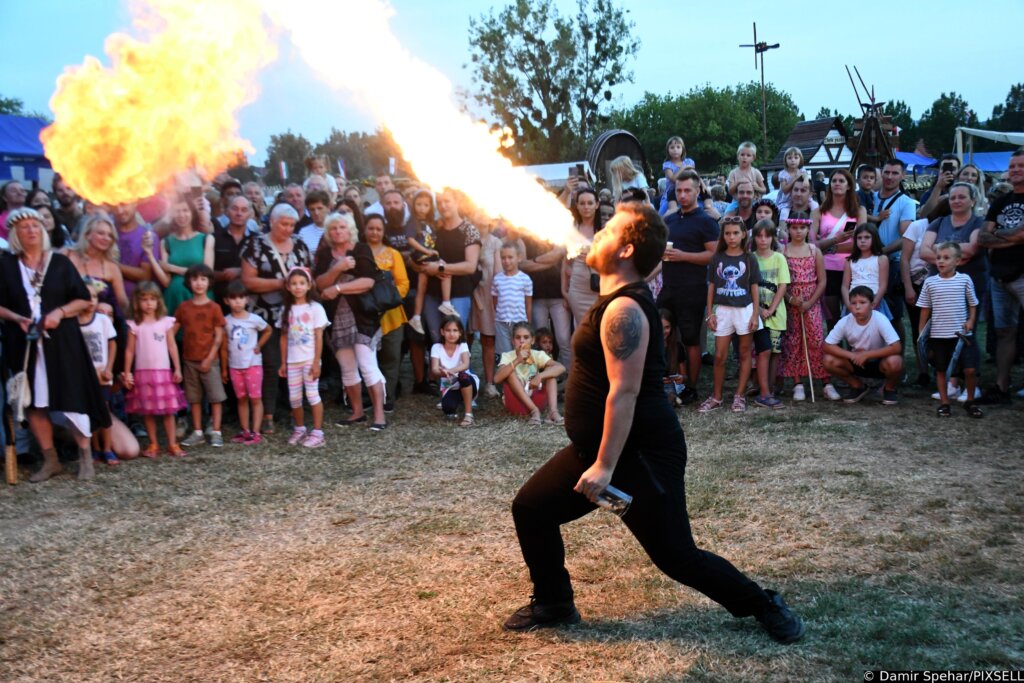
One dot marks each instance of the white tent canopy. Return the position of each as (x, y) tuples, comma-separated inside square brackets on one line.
[(994, 135)]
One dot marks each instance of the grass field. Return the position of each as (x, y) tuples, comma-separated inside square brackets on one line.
[(393, 557)]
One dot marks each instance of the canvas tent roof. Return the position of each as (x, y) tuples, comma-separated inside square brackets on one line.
[(988, 162), (21, 151)]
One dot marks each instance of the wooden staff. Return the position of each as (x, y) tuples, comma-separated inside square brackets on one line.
[(807, 354), (11, 454)]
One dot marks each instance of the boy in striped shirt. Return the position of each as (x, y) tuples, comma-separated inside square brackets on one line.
[(949, 303), (512, 290)]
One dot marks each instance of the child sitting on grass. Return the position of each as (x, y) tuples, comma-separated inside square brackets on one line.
[(875, 349), (449, 364), (530, 378), (949, 307)]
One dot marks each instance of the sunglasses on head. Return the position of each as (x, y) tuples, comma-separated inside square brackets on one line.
[(732, 219)]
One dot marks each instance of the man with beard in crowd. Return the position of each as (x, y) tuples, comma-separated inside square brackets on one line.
[(800, 200), (69, 210), (745, 204)]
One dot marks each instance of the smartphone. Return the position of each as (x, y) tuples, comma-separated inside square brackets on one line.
[(580, 172), (850, 225), (194, 193), (948, 167), (574, 171)]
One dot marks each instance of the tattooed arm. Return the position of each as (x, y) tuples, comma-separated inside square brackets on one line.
[(625, 334), (993, 237)]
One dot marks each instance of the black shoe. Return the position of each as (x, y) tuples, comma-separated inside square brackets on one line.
[(779, 621), (854, 394), (994, 396), (350, 422), (534, 616), (890, 397), (688, 396), (389, 406), (378, 427), (421, 388)]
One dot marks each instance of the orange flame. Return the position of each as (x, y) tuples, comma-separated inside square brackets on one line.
[(167, 103), (413, 100)]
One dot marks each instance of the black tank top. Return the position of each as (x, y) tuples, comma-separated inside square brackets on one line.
[(654, 421)]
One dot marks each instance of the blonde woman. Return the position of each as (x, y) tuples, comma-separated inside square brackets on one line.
[(97, 255), (625, 175)]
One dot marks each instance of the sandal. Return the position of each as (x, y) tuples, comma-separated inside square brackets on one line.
[(739, 404), (109, 458), (175, 451), (973, 410), (945, 411), (268, 426), (151, 451), (709, 404), (467, 420), (555, 419), (534, 418)]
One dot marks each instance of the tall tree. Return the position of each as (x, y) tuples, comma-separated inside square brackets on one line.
[(16, 107), (899, 112), (1009, 116), (291, 149), (547, 77), (939, 122)]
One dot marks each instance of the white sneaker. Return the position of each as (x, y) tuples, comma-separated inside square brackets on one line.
[(831, 393), (962, 398), (491, 391), (798, 393), (952, 391), (448, 309), (416, 324)]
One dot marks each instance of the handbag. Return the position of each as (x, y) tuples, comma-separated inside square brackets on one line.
[(19, 393), (383, 296)]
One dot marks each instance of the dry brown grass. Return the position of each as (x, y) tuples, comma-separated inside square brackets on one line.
[(393, 557)]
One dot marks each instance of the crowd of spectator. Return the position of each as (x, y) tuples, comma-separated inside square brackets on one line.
[(212, 304)]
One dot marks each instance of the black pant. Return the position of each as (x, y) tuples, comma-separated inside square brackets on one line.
[(657, 518)]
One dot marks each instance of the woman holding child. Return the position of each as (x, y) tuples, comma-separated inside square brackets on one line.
[(265, 265), (345, 269)]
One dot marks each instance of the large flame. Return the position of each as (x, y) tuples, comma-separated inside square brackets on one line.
[(167, 103), (414, 101)]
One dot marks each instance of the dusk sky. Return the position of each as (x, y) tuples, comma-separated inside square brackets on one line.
[(911, 51)]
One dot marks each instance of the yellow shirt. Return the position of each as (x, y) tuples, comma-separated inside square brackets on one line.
[(390, 260)]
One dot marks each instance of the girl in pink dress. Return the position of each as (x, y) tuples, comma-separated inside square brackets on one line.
[(803, 314), (154, 385)]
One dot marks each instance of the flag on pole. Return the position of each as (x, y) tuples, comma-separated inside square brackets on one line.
[(391, 165), (283, 168), (341, 169)]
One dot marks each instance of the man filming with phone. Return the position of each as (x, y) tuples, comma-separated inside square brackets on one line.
[(624, 433), (949, 166)]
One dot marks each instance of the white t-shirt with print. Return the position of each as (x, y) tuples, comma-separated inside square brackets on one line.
[(303, 321), (97, 335), (243, 335)]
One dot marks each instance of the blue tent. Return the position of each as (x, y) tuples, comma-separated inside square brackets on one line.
[(988, 162), (20, 147)]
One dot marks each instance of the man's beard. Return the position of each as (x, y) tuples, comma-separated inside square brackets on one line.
[(394, 217)]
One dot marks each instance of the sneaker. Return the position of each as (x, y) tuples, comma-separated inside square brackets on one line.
[(216, 439), (491, 391), (687, 396), (298, 434), (254, 439), (890, 397), (241, 437), (709, 404), (378, 426), (196, 438), (964, 398), (952, 392), (831, 393), (994, 396), (446, 308), (314, 440), (779, 621), (416, 324), (798, 393), (535, 615), (739, 404), (767, 402), (854, 394), (389, 407), (181, 428)]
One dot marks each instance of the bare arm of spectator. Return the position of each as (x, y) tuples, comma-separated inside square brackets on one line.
[(466, 267), (256, 284)]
